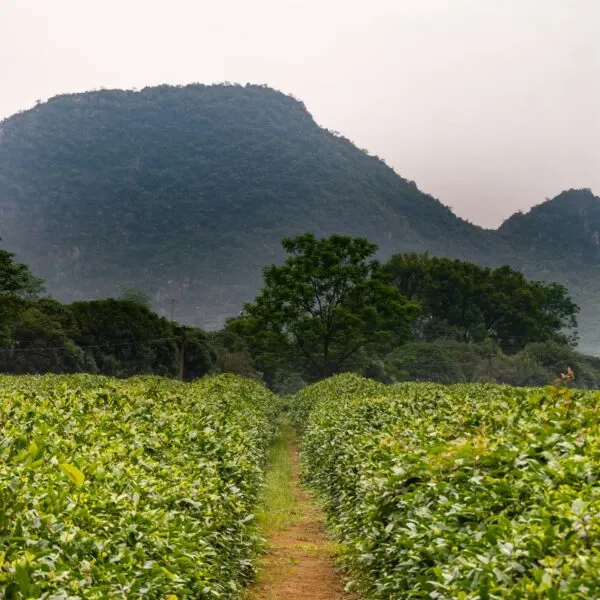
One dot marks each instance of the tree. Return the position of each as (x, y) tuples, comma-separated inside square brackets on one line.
[(114, 337), (325, 304), (232, 355), (16, 278), (125, 338), (43, 346), (200, 356), (470, 303)]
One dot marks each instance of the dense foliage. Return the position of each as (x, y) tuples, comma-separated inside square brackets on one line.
[(325, 305), (342, 386), (185, 192), (470, 303), (113, 337), (463, 491), (448, 361), (16, 278), (142, 488), (328, 308)]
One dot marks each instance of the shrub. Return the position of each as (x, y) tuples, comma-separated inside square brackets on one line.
[(466, 491), (139, 488)]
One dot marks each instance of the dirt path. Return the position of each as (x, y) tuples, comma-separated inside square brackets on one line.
[(299, 564)]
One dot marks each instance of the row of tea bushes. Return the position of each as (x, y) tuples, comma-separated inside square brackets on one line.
[(142, 488), (470, 491)]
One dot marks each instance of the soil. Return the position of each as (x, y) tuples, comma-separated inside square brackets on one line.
[(299, 564)]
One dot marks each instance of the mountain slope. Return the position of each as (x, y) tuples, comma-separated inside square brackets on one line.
[(186, 192), (571, 221), (559, 240)]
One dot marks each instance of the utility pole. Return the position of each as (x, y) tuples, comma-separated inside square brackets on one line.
[(181, 354), (173, 309)]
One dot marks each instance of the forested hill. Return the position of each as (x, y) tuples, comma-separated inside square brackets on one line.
[(186, 192), (571, 222), (559, 240)]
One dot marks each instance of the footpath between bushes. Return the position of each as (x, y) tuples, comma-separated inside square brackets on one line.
[(299, 563)]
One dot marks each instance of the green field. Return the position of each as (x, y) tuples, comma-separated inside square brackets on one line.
[(147, 488), (142, 488), (468, 491)]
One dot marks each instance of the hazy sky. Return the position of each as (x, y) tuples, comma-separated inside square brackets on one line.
[(490, 105)]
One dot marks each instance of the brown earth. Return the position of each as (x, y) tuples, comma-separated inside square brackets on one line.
[(299, 564)]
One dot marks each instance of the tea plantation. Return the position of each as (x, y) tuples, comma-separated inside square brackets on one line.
[(142, 488), (469, 491), (147, 488)]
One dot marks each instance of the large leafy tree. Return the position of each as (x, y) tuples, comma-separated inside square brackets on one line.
[(328, 302), (16, 278), (114, 337), (43, 345), (464, 301), (17, 284), (125, 338)]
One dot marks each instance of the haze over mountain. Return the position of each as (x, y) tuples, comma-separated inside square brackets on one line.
[(489, 105), (186, 192)]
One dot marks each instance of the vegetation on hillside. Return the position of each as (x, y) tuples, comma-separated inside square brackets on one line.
[(186, 192), (328, 308), (112, 337), (569, 221)]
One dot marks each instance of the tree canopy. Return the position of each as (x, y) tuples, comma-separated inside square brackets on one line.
[(329, 307), (16, 278), (328, 301), (464, 301), (113, 337)]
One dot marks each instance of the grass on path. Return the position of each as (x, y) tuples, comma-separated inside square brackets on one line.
[(277, 504), (299, 563)]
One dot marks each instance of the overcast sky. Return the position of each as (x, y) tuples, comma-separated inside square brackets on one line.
[(489, 105)]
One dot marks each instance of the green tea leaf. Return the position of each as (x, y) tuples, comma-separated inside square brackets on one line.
[(73, 473)]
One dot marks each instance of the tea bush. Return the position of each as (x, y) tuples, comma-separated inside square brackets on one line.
[(467, 491), (142, 488)]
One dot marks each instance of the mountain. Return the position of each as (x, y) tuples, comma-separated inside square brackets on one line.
[(186, 192), (569, 221), (559, 240)]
